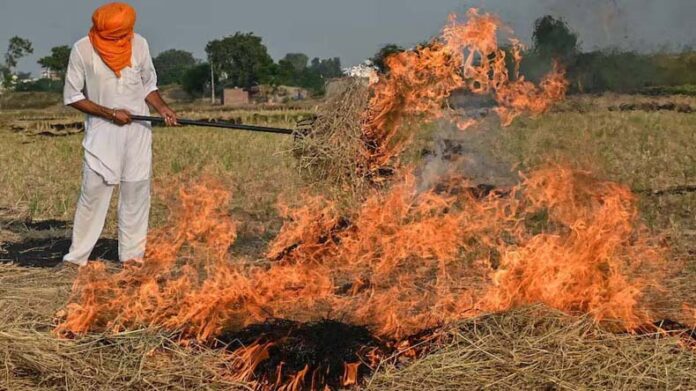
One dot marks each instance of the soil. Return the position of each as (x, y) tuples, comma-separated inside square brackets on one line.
[(43, 243)]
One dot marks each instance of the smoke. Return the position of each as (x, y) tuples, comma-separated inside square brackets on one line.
[(466, 153), (636, 25)]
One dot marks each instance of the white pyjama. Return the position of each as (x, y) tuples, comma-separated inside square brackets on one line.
[(92, 208)]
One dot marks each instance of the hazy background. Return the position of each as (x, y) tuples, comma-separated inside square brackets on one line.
[(350, 29)]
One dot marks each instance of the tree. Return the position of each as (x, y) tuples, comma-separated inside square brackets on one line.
[(196, 79), (311, 80), (290, 69), (18, 48), (297, 60), (57, 61), (172, 64), (242, 60), (285, 73), (379, 59), (327, 68), (553, 39)]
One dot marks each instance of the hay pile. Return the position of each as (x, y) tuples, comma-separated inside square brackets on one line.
[(33, 358), (531, 348), (330, 150), (537, 348)]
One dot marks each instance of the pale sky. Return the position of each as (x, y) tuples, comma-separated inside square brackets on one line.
[(350, 29)]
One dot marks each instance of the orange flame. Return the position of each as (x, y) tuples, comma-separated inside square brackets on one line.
[(350, 374), (402, 258), (465, 56), (404, 262)]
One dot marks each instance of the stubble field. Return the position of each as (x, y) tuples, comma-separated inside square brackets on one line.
[(652, 152)]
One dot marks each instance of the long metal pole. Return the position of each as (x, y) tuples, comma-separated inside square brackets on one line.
[(212, 84), (225, 125)]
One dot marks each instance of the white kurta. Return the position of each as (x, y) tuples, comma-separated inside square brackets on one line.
[(113, 154), (117, 153)]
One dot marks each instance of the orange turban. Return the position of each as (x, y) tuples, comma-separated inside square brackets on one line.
[(112, 35)]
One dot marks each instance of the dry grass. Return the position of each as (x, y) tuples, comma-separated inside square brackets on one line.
[(530, 348), (331, 150), (40, 176), (35, 359), (537, 349)]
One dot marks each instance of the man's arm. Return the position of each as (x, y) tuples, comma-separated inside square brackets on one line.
[(155, 100), (119, 117), (148, 74), (73, 95)]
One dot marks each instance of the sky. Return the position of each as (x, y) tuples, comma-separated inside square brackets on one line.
[(350, 29)]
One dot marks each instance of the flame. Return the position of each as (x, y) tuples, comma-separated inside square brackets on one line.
[(195, 298), (596, 264), (245, 360), (350, 374), (406, 260), (399, 264), (465, 56)]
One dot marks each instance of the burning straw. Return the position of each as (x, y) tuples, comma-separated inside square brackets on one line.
[(403, 263), (34, 359), (359, 136), (328, 152)]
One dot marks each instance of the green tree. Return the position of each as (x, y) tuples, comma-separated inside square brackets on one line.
[(327, 68), (18, 48), (58, 60), (385, 51), (297, 60), (285, 73), (242, 59), (553, 39), (172, 64), (290, 69), (196, 79), (311, 80)]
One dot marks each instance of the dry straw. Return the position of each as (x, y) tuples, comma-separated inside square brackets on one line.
[(35, 359), (535, 348), (331, 150), (529, 348)]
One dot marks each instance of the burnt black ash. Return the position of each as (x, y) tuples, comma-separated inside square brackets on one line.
[(324, 347)]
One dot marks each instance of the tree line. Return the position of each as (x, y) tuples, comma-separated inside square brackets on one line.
[(242, 60), (239, 60), (614, 70), (595, 71)]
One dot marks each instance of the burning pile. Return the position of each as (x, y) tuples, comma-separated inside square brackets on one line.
[(404, 263), (465, 57), (327, 148)]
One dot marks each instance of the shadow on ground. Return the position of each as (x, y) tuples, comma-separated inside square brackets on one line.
[(44, 243)]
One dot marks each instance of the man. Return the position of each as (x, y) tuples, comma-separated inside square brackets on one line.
[(110, 77)]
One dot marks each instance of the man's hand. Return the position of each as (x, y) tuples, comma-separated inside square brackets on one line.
[(155, 100), (121, 117), (117, 116), (169, 116)]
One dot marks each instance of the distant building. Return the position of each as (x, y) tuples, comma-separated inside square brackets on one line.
[(235, 97), (278, 94), (47, 73)]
